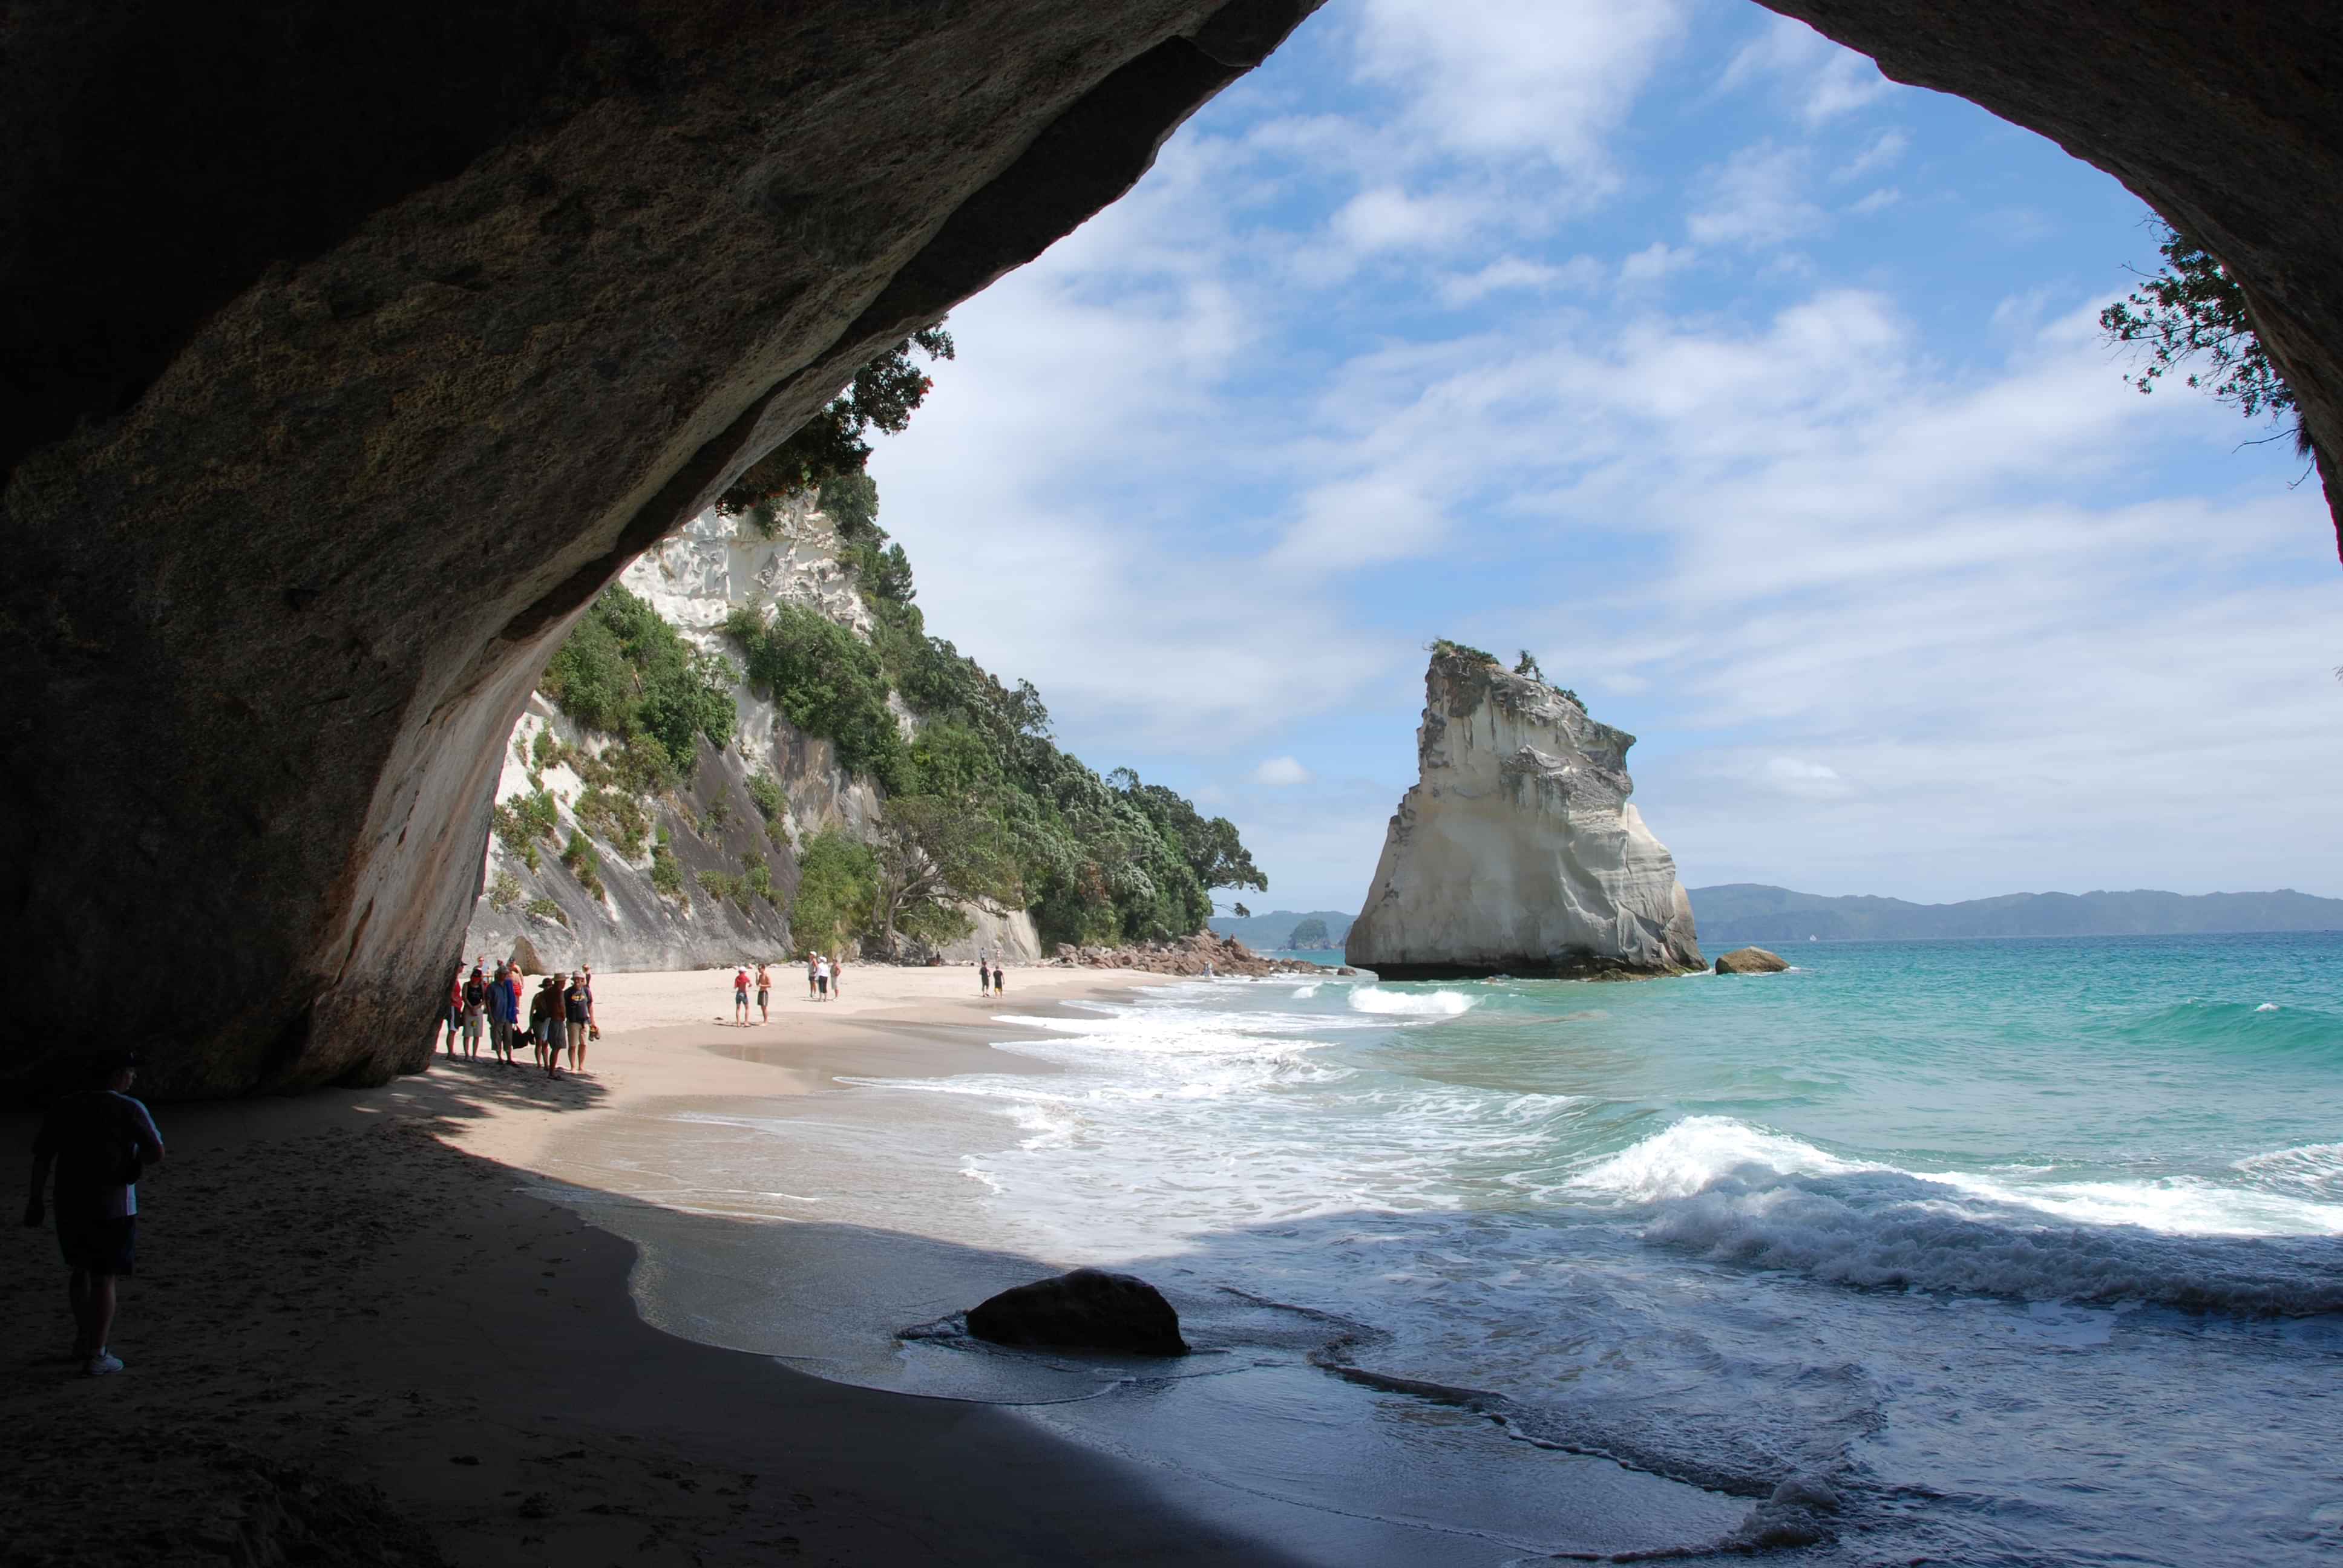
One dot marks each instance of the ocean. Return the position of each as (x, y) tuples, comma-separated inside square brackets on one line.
[(1985, 1253)]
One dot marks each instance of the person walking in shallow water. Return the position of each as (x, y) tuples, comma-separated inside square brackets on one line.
[(95, 1142)]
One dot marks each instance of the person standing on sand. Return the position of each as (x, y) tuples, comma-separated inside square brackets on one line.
[(593, 1024), (540, 1008), (557, 1028), (740, 995), (513, 1010), (999, 975), (97, 1140), (764, 993), (983, 976), (809, 977), (820, 978), (476, 1013), (453, 1010), (574, 1009), (837, 976)]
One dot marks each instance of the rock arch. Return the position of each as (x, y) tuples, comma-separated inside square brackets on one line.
[(348, 349)]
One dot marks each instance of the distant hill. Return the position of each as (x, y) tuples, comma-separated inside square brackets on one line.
[(1735, 913), (1270, 930)]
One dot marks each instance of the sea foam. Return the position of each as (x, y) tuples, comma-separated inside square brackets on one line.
[(1375, 999)]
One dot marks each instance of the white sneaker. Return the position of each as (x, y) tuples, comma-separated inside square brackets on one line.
[(101, 1364)]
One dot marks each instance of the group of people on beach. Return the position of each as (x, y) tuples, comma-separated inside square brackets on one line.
[(990, 976), (560, 1014), (825, 979)]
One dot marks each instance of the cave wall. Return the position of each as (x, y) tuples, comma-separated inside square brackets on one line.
[(352, 348), (347, 348)]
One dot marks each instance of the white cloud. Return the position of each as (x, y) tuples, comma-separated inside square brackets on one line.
[(1879, 200), (1281, 773), (1507, 77), (1756, 198), (1389, 218), (1819, 79), (1880, 154), (1655, 262), (1582, 273)]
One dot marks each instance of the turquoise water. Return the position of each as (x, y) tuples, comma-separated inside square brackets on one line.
[(2025, 1253), (2029, 1251)]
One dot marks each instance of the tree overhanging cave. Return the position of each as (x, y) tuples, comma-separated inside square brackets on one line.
[(348, 349)]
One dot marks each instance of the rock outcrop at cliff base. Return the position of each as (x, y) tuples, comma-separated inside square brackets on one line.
[(1517, 852)]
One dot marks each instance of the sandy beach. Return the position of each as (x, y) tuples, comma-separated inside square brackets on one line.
[(396, 1354)]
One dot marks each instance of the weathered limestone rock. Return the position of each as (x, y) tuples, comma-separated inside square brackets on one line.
[(1089, 1309), (1751, 961), (1517, 852), (349, 347)]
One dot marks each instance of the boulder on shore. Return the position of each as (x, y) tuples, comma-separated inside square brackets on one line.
[(1751, 961), (1089, 1309)]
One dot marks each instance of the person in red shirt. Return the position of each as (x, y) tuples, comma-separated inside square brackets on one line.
[(453, 1014), (740, 996)]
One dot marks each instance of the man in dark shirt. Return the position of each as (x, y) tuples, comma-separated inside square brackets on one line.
[(97, 1140)]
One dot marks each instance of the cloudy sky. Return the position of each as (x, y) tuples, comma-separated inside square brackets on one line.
[(1761, 398)]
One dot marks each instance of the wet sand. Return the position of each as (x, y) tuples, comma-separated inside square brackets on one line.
[(354, 1337)]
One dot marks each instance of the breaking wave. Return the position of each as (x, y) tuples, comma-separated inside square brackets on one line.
[(1733, 1193), (1411, 1003)]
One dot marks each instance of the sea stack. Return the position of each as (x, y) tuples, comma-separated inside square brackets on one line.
[(1517, 852)]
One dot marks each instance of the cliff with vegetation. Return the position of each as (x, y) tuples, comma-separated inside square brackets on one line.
[(752, 745), (1517, 850)]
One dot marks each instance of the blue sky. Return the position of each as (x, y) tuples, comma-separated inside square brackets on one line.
[(1762, 398)]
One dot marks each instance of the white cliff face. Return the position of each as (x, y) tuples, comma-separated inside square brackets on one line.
[(1517, 852), (695, 578)]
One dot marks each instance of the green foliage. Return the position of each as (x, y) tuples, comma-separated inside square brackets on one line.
[(585, 863), (545, 910), (2194, 309), (628, 673), (522, 820), (765, 790), (838, 883), (760, 875), (546, 751), (830, 445), (505, 892), (623, 820), (1310, 933), (720, 885), (719, 814), (827, 681), (933, 854), (850, 501), (1529, 666), (1444, 648), (666, 871)]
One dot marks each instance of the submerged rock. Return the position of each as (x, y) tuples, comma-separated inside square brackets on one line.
[(1089, 1309), (1751, 961), (1516, 852)]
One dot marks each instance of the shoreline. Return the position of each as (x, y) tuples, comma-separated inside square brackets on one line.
[(387, 1351)]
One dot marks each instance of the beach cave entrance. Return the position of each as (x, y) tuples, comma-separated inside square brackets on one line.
[(348, 349)]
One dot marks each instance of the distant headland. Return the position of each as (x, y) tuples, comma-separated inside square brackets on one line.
[(1737, 912)]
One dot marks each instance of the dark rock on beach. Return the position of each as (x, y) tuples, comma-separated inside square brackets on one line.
[(1089, 1309), (1751, 961)]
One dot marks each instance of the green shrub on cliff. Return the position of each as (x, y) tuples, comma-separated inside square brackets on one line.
[(827, 681), (765, 790), (628, 673), (838, 882)]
